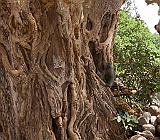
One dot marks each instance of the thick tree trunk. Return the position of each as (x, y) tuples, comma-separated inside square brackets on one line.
[(52, 58)]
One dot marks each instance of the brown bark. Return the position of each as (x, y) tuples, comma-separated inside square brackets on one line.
[(153, 1), (52, 54)]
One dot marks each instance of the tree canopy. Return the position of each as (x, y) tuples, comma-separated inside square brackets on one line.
[(137, 56)]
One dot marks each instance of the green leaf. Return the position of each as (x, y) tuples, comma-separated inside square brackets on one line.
[(115, 118), (119, 119), (128, 119), (137, 57), (126, 127)]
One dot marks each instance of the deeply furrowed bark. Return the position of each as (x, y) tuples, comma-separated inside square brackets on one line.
[(51, 55)]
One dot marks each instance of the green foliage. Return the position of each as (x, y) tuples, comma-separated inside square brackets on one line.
[(137, 57), (156, 41), (128, 121), (127, 6)]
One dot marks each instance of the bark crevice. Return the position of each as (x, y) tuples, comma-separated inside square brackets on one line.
[(52, 55)]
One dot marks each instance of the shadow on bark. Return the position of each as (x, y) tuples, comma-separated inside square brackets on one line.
[(52, 53)]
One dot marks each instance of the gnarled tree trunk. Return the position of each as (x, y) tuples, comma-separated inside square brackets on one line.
[(52, 57)]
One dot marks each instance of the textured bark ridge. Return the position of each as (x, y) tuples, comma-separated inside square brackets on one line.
[(153, 1), (52, 56)]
